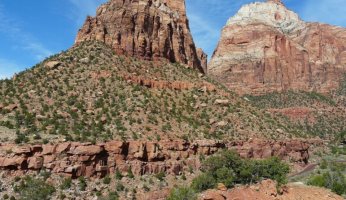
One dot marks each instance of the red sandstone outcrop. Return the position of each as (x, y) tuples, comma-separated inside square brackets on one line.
[(267, 190), (85, 159), (265, 47), (146, 29), (296, 113), (172, 85)]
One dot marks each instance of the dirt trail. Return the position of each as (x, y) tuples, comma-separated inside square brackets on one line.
[(311, 167)]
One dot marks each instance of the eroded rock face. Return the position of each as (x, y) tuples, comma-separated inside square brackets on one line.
[(148, 29), (265, 47), (172, 157)]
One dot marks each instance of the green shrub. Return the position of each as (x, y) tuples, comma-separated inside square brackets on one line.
[(161, 176), (113, 196), (118, 175), (107, 180), (120, 187), (34, 189), (318, 180), (130, 173), (228, 168), (323, 164), (183, 193), (226, 176), (203, 182), (334, 180), (6, 196), (82, 183), (66, 183)]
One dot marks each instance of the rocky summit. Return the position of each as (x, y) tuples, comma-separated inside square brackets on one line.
[(146, 29), (265, 47)]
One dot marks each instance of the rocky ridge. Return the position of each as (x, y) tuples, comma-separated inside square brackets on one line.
[(146, 29), (265, 47), (172, 157)]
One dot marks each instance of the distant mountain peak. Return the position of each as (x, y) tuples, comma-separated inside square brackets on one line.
[(276, 1), (266, 47), (272, 13)]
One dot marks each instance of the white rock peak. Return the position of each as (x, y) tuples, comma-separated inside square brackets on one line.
[(272, 13)]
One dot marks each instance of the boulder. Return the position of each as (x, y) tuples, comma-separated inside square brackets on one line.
[(87, 150), (222, 102), (52, 64), (35, 163)]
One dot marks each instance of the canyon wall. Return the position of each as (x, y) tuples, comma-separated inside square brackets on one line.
[(265, 48)]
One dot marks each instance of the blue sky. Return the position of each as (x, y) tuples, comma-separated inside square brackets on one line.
[(33, 30)]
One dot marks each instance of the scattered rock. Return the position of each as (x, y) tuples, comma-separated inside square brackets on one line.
[(223, 102), (85, 60)]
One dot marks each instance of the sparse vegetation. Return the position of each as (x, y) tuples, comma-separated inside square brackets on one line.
[(333, 177), (30, 188), (183, 193), (96, 101)]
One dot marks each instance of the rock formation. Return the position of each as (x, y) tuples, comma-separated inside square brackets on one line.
[(265, 47), (85, 159), (148, 29)]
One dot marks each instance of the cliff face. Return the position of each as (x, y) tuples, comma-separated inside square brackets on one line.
[(144, 28), (84, 159), (265, 47)]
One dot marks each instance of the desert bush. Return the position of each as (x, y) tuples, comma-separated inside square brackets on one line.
[(183, 193), (66, 184), (34, 189), (82, 183), (107, 180), (333, 180), (228, 168)]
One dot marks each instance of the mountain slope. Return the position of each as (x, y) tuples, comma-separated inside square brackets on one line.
[(88, 93)]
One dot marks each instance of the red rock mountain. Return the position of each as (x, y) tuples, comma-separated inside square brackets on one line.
[(265, 47), (149, 29)]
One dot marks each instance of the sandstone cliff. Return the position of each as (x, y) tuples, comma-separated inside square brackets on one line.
[(146, 29), (265, 47), (173, 157)]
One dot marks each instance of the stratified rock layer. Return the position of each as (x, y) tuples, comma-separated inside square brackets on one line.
[(77, 159), (265, 47), (149, 29)]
